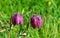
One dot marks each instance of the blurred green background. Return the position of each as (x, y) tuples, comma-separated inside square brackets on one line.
[(48, 9)]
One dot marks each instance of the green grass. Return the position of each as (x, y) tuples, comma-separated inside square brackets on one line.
[(48, 9)]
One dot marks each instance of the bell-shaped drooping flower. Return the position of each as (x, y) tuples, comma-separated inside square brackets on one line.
[(17, 19), (36, 21)]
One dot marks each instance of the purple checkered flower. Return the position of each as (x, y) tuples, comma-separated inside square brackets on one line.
[(36, 21), (17, 19)]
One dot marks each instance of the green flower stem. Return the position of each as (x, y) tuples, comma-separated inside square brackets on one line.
[(20, 31)]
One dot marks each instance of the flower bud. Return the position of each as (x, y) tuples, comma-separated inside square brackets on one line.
[(17, 19), (36, 21)]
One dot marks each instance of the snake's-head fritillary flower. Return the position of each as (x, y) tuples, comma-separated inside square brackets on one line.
[(17, 19), (36, 21)]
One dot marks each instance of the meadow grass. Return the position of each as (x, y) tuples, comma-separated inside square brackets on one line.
[(48, 9)]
